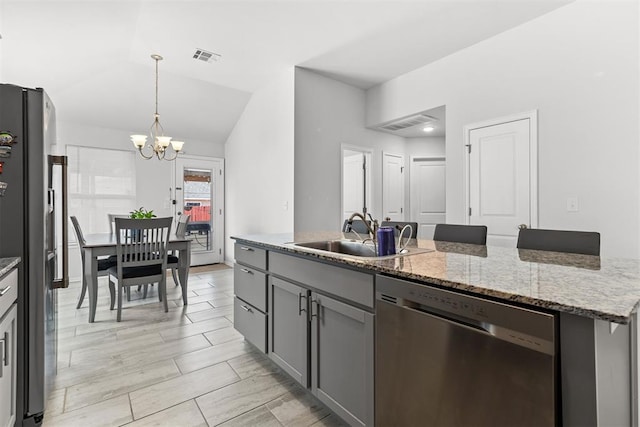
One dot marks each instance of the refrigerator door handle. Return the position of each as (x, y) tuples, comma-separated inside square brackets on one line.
[(62, 282)]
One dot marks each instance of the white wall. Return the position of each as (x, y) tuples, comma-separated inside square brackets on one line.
[(259, 164), (578, 66), (328, 114)]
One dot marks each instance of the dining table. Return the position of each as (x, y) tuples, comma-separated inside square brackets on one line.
[(104, 244)]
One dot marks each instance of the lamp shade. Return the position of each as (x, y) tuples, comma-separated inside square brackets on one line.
[(177, 145), (163, 141), (139, 140)]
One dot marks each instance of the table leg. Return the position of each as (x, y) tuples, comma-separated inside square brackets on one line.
[(91, 278), (184, 261)]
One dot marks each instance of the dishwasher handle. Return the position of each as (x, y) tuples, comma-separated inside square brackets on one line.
[(449, 317)]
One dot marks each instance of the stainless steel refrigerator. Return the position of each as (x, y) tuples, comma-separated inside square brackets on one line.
[(33, 223)]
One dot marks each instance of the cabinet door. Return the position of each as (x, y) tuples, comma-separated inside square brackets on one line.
[(342, 359), (8, 378), (288, 328)]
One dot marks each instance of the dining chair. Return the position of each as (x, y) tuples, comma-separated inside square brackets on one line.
[(103, 264), (457, 233), (172, 258), (575, 242), (141, 250), (399, 225), (112, 218)]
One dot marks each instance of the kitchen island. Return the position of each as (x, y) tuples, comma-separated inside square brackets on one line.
[(594, 301)]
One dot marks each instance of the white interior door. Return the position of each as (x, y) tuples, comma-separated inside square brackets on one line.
[(199, 192), (392, 187), (502, 177), (356, 180), (352, 183), (428, 201)]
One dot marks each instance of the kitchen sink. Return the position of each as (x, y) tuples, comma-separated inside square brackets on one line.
[(353, 248)]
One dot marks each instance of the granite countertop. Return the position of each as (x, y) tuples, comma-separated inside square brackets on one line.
[(599, 288), (6, 264)]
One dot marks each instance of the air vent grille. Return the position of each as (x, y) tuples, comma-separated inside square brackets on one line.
[(388, 298), (407, 122), (206, 56)]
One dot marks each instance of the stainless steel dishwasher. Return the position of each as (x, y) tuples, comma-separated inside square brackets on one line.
[(448, 359)]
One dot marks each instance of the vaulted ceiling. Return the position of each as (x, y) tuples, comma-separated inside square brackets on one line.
[(93, 56)]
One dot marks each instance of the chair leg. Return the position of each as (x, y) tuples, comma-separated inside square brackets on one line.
[(83, 291), (119, 302), (128, 293), (162, 290), (144, 291), (160, 293), (175, 276), (112, 293)]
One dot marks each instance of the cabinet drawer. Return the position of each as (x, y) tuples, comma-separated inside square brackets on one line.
[(250, 285), (251, 323), (348, 284), (251, 255), (9, 290)]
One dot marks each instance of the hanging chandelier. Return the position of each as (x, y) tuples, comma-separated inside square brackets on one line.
[(161, 143)]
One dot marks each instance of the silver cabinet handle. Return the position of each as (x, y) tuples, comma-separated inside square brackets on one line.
[(7, 349), (317, 303), (300, 309), (245, 308), (246, 270), (244, 248), (3, 350), (5, 290)]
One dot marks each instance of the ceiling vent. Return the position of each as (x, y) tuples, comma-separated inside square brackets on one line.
[(407, 122), (203, 55)]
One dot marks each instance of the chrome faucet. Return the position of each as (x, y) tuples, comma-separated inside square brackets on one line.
[(371, 228)]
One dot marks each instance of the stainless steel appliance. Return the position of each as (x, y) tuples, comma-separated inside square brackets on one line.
[(33, 222), (448, 359)]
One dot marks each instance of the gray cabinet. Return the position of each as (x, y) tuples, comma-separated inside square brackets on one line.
[(288, 328), (250, 289), (321, 336), (8, 344), (342, 358)]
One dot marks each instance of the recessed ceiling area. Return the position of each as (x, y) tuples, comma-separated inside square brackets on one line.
[(93, 57), (413, 126)]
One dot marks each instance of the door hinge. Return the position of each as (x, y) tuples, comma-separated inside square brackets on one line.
[(469, 211), (401, 210), (220, 251), (401, 169), (468, 148), (220, 172)]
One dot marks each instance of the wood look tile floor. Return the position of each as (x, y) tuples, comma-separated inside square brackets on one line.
[(187, 367)]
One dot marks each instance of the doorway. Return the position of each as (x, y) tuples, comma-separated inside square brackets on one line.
[(502, 176), (392, 187), (428, 189), (356, 180), (199, 193)]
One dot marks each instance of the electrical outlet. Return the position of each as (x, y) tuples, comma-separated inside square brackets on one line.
[(572, 204)]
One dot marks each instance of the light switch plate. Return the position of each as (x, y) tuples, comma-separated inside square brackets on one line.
[(572, 204)]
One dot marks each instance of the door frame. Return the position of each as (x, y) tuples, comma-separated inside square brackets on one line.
[(533, 159), (368, 153), (219, 217)]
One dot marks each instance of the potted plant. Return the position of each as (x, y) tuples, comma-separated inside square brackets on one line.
[(141, 214)]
